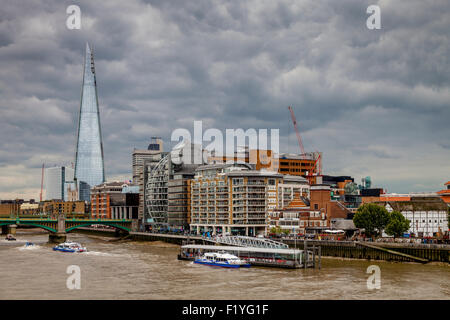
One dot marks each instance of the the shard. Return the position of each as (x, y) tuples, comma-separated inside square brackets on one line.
[(89, 167)]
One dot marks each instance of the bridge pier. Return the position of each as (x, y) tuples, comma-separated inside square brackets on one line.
[(57, 237), (60, 235), (120, 233), (12, 229)]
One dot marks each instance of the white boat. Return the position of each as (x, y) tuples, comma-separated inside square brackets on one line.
[(69, 247), (219, 259)]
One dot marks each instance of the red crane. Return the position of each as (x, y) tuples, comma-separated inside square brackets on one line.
[(42, 183), (317, 168), (299, 138)]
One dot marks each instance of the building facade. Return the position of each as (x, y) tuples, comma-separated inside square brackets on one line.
[(60, 207), (143, 161), (114, 200), (89, 166), (56, 182), (309, 216), (427, 213), (232, 199), (171, 166)]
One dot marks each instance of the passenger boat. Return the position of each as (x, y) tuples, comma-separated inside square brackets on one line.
[(9, 237), (69, 247), (218, 259)]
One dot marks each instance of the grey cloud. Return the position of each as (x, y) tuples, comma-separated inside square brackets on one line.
[(370, 100)]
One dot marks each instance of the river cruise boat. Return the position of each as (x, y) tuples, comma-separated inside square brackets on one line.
[(222, 259), (69, 247)]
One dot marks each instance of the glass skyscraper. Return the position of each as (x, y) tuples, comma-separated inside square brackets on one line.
[(89, 167)]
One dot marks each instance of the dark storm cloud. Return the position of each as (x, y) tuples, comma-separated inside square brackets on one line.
[(376, 102)]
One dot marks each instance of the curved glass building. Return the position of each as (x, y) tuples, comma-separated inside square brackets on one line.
[(89, 167)]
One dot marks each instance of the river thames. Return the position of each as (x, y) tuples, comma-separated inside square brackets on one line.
[(114, 269)]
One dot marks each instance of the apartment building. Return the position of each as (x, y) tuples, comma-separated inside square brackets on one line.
[(232, 198)]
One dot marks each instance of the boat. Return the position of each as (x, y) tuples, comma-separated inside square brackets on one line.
[(69, 247), (221, 259), (9, 237)]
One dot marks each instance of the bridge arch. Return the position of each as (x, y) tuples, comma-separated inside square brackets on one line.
[(34, 224), (87, 224)]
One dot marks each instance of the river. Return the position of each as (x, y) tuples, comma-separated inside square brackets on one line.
[(114, 269)]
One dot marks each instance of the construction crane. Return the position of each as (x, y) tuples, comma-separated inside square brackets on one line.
[(42, 182), (299, 138), (317, 168)]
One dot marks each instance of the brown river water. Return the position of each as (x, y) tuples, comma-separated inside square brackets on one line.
[(150, 270)]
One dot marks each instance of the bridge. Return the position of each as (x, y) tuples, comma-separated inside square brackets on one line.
[(59, 227), (245, 241)]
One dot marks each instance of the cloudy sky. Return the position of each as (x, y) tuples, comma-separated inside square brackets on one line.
[(375, 102)]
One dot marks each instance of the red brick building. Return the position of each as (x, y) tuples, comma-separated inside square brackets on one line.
[(309, 215)]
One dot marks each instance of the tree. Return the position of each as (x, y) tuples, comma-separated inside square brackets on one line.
[(372, 217), (397, 224), (275, 230)]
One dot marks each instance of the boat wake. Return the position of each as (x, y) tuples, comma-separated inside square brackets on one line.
[(32, 247), (100, 254)]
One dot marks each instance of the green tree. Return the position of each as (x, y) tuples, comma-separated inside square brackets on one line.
[(397, 224), (275, 230), (372, 217)]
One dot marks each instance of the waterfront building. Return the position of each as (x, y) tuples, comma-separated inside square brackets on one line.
[(179, 199), (427, 212), (10, 207), (445, 193), (306, 216), (30, 208), (60, 207), (232, 198), (89, 166), (56, 182), (143, 161), (170, 167), (114, 200)]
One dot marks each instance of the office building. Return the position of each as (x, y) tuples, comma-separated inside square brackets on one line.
[(143, 161), (156, 193), (114, 200), (89, 166), (56, 179)]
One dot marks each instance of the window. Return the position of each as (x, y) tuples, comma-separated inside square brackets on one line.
[(271, 182), (316, 206)]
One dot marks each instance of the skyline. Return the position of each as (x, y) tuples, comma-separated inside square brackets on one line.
[(375, 102)]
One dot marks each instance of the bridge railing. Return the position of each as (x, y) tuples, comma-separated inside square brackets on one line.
[(244, 241)]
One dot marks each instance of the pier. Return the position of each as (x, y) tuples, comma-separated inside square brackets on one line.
[(262, 257), (400, 252)]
